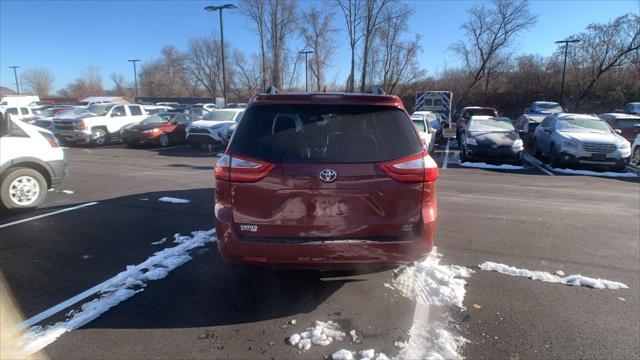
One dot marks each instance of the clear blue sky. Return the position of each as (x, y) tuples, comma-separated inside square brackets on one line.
[(67, 36)]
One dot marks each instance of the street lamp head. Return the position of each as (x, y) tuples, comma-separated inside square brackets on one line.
[(221, 7), (567, 41), (14, 67), (133, 60)]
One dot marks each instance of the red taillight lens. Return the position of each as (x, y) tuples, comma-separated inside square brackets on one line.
[(82, 125), (241, 169), (415, 168), (51, 139)]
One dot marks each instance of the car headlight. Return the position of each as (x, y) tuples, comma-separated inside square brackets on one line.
[(517, 144), (471, 141), (570, 144), (624, 145), (151, 131)]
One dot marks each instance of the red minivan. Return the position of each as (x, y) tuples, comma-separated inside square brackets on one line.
[(325, 181)]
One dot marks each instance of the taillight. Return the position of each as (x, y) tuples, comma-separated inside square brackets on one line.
[(415, 168), (241, 169), (51, 139), (81, 125)]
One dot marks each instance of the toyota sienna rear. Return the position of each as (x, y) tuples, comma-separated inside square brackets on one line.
[(325, 181)]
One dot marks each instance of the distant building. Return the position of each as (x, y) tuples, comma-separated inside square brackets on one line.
[(6, 91)]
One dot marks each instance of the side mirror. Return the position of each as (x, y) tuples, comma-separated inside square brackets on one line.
[(618, 131), (433, 131)]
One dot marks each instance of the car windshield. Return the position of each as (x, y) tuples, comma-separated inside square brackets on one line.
[(419, 124), (220, 115), (549, 107), (582, 125), (325, 134), (635, 107), (99, 109), (490, 125), (157, 119)]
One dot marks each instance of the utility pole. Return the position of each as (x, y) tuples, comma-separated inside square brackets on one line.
[(306, 68), (564, 67), (224, 75), (135, 75), (15, 75)]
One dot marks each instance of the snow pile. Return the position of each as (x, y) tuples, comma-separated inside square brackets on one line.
[(595, 173), (481, 165), (173, 200), (321, 333), (159, 241), (369, 354), (120, 288), (68, 192), (429, 282), (573, 280), (435, 287)]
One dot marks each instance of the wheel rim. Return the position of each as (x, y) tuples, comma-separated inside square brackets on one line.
[(24, 190), (636, 156), (99, 137), (164, 140)]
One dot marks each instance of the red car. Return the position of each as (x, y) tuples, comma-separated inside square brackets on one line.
[(161, 129), (466, 113), (327, 180), (628, 124)]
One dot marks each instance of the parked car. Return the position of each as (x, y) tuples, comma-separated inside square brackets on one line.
[(18, 101), (210, 106), (156, 109), (583, 139), (31, 162), (424, 121), (197, 113), (491, 138), (341, 180), (206, 132), (19, 112), (161, 129), (632, 108), (99, 123), (635, 150), (526, 125), (628, 124), (46, 116), (543, 107), (465, 114)]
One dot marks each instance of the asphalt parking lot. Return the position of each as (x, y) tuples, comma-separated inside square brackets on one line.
[(207, 309)]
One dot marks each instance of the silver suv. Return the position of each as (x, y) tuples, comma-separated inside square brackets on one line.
[(584, 139)]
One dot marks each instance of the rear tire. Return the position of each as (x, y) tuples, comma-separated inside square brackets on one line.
[(463, 155), (636, 156), (22, 189), (164, 140)]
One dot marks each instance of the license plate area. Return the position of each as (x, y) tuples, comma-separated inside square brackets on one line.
[(598, 156)]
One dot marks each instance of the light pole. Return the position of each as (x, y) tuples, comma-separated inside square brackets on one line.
[(306, 68), (564, 67), (224, 76), (15, 75), (135, 75)]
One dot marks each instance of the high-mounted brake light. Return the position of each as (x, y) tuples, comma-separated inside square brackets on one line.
[(415, 168), (241, 169)]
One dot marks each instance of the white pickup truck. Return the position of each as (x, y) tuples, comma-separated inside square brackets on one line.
[(98, 124)]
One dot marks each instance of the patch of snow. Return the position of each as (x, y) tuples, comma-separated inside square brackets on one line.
[(159, 241), (144, 199), (594, 173), (293, 322), (429, 282), (219, 154), (342, 354), (354, 337), (120, 288), (435, 287), (573, 280), (173, 200), (367, 354), (68, 192), (481, 165), (560, 273), (321, 333)]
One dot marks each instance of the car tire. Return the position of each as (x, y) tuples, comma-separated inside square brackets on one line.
[(635, 158), (619, 167), (163, 140), (554, 159), (463, 155), (22, 189), (98, 137)]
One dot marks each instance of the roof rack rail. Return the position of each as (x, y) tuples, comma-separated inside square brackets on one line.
[(272, 90), (376, 90)]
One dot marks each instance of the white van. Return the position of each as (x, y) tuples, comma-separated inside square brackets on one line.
[(31, 162), (19, 100)]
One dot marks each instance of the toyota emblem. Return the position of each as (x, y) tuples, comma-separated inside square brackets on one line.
[(328, 175)]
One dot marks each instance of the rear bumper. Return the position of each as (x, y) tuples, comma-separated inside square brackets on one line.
[(201, 138), (333, 254)]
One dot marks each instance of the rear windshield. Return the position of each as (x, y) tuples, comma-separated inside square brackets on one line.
[(628, 123), (325, 134), (487, 112)]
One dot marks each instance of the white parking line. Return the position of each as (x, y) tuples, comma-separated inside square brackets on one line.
[(538, 164), (446, 155), (47, 214)]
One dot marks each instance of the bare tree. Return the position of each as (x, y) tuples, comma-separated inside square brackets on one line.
[(280, 25), (168, 76), (120, 86), (247, 76), (89, 83), (317, 31), (372, 19), (352, 9), (489, 31), (39, 81), (204, 63), (603, 48), (255, 10)]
